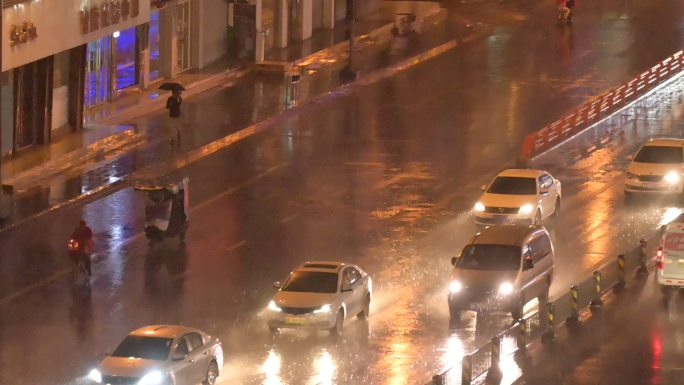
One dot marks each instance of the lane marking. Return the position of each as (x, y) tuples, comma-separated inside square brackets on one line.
[(236, 246), (27, 289)]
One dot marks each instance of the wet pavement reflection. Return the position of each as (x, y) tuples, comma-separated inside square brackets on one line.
[(383, 177)]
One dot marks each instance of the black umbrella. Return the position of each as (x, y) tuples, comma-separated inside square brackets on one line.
[(172, 87)]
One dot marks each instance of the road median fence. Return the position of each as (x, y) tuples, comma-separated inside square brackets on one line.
[(612, 276), (600, 107)]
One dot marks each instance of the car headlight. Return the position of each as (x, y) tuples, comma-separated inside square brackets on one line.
[(525, 209), (152, 378), (632, 175), (95, 376), (323, 309), (455, 286), (506, 288), (672, 177), (479, 207), (273, 307)]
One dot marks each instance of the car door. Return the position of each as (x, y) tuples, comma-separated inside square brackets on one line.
[(182, 363), (347, 296), (199, 356), (359, 288), (546, 194)]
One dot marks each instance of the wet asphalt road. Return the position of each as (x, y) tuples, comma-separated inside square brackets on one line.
[(383, 177)]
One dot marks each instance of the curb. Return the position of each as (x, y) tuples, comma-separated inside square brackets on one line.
[(218, 144)]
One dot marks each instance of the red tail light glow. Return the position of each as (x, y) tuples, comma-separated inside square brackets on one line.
[(659, 258)]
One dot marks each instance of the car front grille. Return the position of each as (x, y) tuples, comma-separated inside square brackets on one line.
[(298, 310), (650, 178), (118, 380), (501, 210)]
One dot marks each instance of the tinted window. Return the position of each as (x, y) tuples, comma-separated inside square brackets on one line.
[(354, 275), (182, 347), (195, 340), (489, 257), (659, 154), (541, 247), (311, 282), (148, 348), (513, 185)]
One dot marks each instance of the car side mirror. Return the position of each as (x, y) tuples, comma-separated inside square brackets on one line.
[(277, 284), (453, 261), (483, 187), (528, 264), (107, 353), (630, 157), (178, 356), (346, 287)]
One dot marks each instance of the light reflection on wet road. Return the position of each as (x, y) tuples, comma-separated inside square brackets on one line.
[(383, 178)]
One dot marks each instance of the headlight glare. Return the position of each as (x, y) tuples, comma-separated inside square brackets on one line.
[(151, 378), (505, 288), (455, 286), (323, 309), (95, 376), (273, 307), (525, 209), (479, 207), (672, 177)]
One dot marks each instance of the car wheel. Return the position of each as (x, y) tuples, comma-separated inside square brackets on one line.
[(366, 309), (557, 208), (212, 374), (537, 218), (339, 323)]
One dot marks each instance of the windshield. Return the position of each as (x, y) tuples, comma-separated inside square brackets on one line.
[(513, 185), (659, 154), (489, 257), (311, 282), (148, 348)]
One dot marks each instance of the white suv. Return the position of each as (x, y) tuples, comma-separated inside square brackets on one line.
[(519, 196), (656, 168), (670, 257)]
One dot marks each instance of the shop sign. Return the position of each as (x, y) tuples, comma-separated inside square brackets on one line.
[(107, 12), (22, 33)]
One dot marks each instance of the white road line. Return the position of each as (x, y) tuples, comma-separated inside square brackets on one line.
[(9, 298), (236, 246)]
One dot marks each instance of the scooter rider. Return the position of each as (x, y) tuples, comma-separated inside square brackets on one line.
[(84, 236)]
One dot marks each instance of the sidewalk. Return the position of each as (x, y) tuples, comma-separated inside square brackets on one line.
[(133, 132)]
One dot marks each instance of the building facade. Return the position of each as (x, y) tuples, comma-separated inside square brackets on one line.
[(63, 57), (261, 25)]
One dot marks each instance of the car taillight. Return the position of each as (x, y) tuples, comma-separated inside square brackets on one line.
[(659, 258)]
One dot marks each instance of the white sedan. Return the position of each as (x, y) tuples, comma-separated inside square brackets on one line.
[(320, 295), (162, 355), (657, 168), (522, 196)]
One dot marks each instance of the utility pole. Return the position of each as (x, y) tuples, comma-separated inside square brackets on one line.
[(349, 72)]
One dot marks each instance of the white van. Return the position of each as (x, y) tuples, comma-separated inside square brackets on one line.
[(670, 257)]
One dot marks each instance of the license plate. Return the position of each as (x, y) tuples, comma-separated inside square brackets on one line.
[(294, 320), (500, 218)]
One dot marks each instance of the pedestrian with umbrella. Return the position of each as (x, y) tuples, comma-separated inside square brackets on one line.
[(173, 103)]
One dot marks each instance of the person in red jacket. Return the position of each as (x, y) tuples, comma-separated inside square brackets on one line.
[(83, 235)]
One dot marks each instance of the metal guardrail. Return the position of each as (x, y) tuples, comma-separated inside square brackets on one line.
[(591, 112), (611, 276)]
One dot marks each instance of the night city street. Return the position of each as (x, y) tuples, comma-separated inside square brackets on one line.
[(382, 175)]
